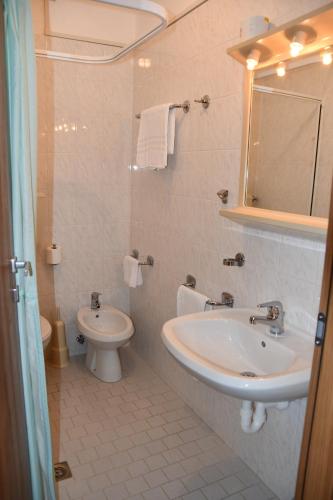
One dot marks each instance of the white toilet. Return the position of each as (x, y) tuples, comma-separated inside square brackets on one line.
[(46, 331), (105, 329)]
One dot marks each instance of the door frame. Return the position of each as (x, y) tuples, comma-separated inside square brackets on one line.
[(315, 478), (15, 479)]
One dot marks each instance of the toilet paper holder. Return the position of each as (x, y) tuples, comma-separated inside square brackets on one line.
[(148, 262)]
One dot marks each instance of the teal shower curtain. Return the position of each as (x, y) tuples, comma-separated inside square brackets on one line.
[(20, 62)]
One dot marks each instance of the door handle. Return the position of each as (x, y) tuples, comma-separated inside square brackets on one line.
[(15, 265)]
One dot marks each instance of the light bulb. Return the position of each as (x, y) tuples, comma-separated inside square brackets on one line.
[(144, 62), (281, 69), (297, 43), (252, 59), (326, 57)]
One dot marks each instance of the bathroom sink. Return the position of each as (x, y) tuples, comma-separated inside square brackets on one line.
[(242, 360)]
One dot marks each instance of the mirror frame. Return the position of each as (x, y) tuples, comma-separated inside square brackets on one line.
[(304, 225)]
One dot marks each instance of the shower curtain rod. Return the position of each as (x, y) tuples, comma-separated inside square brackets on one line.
[(147, 6)]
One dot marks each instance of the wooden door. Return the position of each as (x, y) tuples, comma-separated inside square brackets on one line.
[(315, 474), (15, 481)]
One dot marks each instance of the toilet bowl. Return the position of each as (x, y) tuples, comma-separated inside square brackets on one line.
[(46, 331), (105, 330)]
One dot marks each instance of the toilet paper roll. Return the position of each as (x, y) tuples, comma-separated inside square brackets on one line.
[(53, 254)]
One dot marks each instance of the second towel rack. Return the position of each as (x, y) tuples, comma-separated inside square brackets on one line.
[(185, 106), (149, 261)]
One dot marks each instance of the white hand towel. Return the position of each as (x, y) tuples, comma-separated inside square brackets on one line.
[(189, 301), (132, 272), (156, 137)]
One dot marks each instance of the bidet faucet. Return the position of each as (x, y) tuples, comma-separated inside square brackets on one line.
[(95, 303), (274, 317)]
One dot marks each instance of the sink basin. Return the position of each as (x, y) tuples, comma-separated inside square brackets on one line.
[(242, 360)]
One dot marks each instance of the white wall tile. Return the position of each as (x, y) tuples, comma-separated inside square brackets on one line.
[(175, 218)]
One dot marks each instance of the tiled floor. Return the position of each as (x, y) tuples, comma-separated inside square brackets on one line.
[(136, 439)]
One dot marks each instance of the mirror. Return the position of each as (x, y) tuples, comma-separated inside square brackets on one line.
[(290, 151)]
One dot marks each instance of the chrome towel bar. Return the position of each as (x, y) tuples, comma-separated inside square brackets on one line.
[(227, 300), (148, 262), (185, 106)]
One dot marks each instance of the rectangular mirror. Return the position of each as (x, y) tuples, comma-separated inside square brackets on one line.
[(289, 159)]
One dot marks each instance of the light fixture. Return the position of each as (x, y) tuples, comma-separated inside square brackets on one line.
[(144, 62), (281, 69), (252, 59), (326, 56), (297, 43)]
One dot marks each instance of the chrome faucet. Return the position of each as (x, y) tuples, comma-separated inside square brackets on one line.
[(274, 317), (95, 303)]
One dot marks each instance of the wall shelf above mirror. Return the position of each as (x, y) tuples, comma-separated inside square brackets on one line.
[(274, 45), (287, 151), (302, 225)]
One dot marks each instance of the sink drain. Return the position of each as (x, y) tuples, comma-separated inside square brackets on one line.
[(62, 471), (248, 374)]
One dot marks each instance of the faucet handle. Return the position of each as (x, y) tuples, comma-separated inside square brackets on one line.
[(275, 308), (95, 295)]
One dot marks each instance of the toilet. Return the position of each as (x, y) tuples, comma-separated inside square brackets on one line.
[(105, 330), (46, 331)]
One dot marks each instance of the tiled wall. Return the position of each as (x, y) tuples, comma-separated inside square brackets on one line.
[(85, 116), (84, 205), (175, 219)]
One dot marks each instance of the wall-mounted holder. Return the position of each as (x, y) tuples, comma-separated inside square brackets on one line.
[(223, 194), (185, 106), (190, 281), (238, 260), (148, 262), (227, 300), (205, 101)]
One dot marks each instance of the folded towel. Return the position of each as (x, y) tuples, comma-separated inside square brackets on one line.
[(132, 272), (156, 136), (189, 301)]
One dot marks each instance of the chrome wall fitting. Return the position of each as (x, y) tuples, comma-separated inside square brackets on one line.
[(238, 260), (205, 101), (148, 262), (223, 194), (190, 281), (186, 106), (227, 300)]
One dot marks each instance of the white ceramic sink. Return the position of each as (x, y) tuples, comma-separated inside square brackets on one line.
[(218, 346)]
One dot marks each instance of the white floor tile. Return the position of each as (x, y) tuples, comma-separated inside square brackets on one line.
[(137, 440)]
